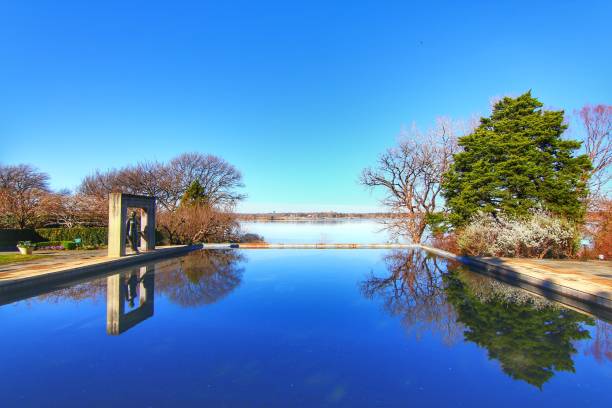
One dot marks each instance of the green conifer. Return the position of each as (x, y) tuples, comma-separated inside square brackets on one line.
[(516, 161)]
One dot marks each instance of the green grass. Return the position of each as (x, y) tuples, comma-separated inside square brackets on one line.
[(11, 258)]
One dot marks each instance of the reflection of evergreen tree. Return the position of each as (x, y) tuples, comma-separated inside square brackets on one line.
[(531, 341), (530, 336)]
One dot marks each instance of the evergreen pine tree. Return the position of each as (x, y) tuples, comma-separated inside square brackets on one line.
[(516, 161), (194, 194)]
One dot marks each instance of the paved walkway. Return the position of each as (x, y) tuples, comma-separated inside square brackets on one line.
[(573, 278), (58, 262), (593, 272), (54, 260)]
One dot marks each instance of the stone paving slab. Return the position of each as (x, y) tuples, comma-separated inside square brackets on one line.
[(587, 273), (54, 260)]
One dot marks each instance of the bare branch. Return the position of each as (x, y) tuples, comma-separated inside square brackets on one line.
[(411, 175)]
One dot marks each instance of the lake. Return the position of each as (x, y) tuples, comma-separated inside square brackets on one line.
[(300, 328), (361, 231)]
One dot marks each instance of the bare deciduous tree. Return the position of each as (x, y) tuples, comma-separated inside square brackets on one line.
[(411, 175), (22, 189), (70, 210), (168, 182), (219, 178), (597, 121)]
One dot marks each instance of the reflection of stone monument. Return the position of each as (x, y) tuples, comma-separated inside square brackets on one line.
[(122, 288), (118, 204)]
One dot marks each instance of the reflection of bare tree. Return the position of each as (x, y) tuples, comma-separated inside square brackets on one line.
[(600, 346), (93, 290), (202, 277), (413, 289)]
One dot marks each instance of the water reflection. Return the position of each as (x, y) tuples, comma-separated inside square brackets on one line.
[(412, 288), (313, 339), (126, 288), (202, 277), (600, 347), (531, 337), (199, 278)]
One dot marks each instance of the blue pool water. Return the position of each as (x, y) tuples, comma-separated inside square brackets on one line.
[(301, 328)]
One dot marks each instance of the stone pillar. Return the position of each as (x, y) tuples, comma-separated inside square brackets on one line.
[(117, 216), (115, 307), (147, 228)]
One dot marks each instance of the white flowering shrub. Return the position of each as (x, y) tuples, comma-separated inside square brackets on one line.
[(538, 236)]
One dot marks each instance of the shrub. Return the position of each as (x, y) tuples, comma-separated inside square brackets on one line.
[(68, 245), (446, 242), (599, 228), (25, 244), (198, 223), (250, 237), (538, 236), (46, 244)]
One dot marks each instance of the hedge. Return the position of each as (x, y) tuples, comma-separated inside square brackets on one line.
[(69, 245), (90, 236), (10, 237)]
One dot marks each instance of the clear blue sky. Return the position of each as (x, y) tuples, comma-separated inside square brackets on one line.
[(299, 97)]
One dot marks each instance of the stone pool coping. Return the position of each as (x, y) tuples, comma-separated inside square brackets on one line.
[(576, 285)]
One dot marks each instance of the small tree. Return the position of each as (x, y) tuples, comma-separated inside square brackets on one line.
[(410, 175), (597, 121), (516, 161), (198, 223), (22, 189), (194, 194)]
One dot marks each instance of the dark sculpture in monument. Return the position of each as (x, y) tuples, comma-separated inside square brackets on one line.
[(133, 231)]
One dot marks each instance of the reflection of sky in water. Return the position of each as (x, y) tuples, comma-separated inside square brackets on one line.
[(304, 328), (341, 231)]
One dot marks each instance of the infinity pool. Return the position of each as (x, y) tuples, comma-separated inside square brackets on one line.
[(300, 328)]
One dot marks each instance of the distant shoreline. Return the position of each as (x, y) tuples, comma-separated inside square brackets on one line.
[(304, 216)]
